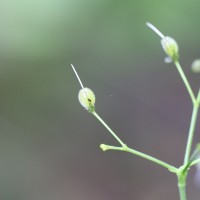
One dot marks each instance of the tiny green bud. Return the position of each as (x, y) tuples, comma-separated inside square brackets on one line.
[(170, 47), (196, 66), (87, 99), (104, 147), (86, 96)]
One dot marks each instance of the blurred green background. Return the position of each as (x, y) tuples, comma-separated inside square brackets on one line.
[(49, 146)]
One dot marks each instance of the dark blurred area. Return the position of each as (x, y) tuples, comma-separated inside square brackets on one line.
[(49, 146)]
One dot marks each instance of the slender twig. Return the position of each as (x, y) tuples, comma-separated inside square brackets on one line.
[(143, 155), (108, 128), (187, 85), (195, 162), (191, 133), (124, 147)]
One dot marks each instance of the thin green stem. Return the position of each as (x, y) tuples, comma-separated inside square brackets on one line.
[(195, 103), (151, 158), (182, 185), (187, 85), (182, 175), (143, 155), (108, 128), (182, 192), (124, 147), (194, 162), (191, 133)]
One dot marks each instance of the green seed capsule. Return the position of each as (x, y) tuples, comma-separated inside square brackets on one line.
[(169, 44), (87, 99), (170, 47)]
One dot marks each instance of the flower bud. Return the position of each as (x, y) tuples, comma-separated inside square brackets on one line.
[(196, 66), (170, 47), (87, 99)]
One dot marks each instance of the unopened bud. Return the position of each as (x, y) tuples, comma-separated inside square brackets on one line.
[(87, 99), (86, 96), (170, 47), (169, 44)]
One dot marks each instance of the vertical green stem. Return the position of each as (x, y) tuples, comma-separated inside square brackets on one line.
[(182, 175), (182, 185), (195, 103), (191, 133)]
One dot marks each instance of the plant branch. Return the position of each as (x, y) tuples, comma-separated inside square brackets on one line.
[(140, 154), (108, 128), (187, 85), (191, 133), (194, 162)]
